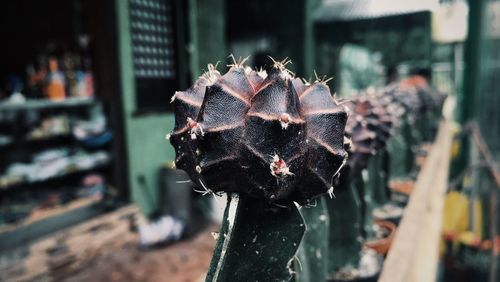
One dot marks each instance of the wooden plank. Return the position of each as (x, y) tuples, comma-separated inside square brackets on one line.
[(426, 258), (414, 253)]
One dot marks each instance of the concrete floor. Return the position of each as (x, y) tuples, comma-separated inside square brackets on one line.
[(185, 261), (105, 249)]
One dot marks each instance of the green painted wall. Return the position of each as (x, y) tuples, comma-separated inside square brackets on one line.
[(147, 149), (207, 28)]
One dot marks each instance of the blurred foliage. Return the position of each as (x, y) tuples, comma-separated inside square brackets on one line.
[(396, 39), (359, 70)]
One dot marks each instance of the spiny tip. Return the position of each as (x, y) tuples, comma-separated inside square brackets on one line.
[(281, 66), (238, 63), (323, 79)]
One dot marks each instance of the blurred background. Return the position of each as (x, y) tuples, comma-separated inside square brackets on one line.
[(87, 187)]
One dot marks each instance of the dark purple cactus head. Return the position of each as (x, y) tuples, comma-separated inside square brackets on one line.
[(362, 136), (369, 126), (406, 97), (265, 134), (430, 98)]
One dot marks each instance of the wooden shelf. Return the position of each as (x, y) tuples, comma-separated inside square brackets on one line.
[(41, 222), (415, 250), (38, 140), (68, 172), (46, 138), (46, 104)]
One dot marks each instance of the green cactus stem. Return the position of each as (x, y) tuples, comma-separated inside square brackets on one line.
[(374, 190), (312, 263), (401, 152), (258, 241), (345, 228)]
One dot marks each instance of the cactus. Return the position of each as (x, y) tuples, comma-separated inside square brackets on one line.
[(372, 118), (422, 105), (367, 131), (369, 126), (266, 135), (272, 139)]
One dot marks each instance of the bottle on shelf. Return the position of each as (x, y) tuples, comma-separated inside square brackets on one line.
[(85, 75), (86, 81), (55, 87), (71, 72)]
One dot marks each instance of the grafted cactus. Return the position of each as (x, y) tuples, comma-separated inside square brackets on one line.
[(266, 135), (421, 104), (274, 140), (369, 126), (372, 118)]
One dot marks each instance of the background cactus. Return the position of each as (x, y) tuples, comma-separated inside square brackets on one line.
[(369, 126)]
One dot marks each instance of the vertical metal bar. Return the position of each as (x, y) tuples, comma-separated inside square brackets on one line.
[(194, 38), (457, 63), (494, 231), (182, 59), (309, 41), (472, 74)]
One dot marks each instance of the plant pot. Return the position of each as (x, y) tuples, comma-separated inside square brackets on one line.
[(389, 212), (382, 245), (372, 278), (403, 186), (422, 153), (400, 199)]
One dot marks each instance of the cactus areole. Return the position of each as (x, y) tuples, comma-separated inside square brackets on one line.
[(264, 134)]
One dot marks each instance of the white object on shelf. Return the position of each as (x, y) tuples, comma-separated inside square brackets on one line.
[(54, 163), (17, 98)]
